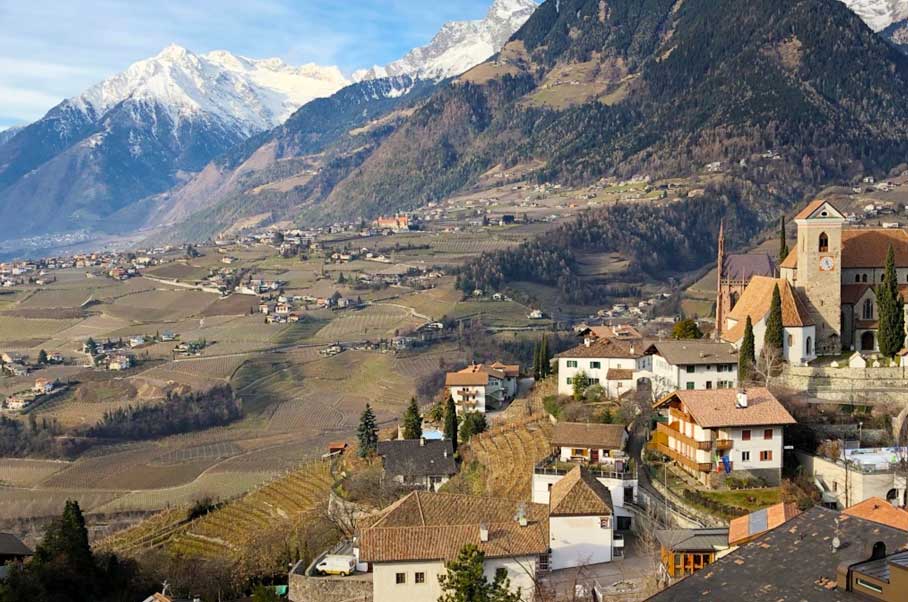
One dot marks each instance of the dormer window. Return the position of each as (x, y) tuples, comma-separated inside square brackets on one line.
[(824, 243)]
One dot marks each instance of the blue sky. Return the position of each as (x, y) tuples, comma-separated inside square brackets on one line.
[(54, 49)]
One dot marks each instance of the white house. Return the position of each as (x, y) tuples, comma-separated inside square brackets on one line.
[(477, 386), (581, 521), (799, 337), (407, 545), (723, 431), (599, 360), (673, 365)]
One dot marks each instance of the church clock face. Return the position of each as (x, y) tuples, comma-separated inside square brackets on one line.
[(827, 264)]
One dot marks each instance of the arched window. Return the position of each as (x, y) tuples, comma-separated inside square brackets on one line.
[(790, 340), (868, 309), (864, 278), (733, 300), (808, 346), (824, 243), (857, 277)]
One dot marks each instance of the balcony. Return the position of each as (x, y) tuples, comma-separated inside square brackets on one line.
[(681, 459), (672, 431), (724, 444), (552, 465)]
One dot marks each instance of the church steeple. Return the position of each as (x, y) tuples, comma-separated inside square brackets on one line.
[(720, 269)]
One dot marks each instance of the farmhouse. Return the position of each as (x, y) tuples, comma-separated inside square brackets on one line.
[(418, 463), (674, 365), (725, 431), (595, 359), (407, 545)]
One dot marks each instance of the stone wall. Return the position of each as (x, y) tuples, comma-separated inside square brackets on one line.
[(859, 386), (329, 589)]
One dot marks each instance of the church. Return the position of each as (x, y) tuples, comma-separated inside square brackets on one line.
[(827, 286)]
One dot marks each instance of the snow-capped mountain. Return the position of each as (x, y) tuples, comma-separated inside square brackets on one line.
[(879, 14), (8, 133), (254, 95), (142, 131), (459, 45)]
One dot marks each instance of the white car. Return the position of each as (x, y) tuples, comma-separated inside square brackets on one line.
[(337, 565)]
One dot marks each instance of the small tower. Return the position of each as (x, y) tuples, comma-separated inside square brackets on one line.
[(720, 313)]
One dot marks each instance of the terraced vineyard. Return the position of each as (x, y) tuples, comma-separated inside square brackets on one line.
[(224, 532), (149, 533), (508, 455)]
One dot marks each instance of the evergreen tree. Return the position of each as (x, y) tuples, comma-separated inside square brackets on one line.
[(464, 580), (783, 241), (91, 346), (775, 332), (367, 433), (746, 354), (42, 357), (545, 357), (473, 424), (891, 310), (537, 364), (451, 422), (412, 421), (686, 329)]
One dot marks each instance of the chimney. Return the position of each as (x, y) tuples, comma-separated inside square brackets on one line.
[(522, 515), (741, 399), (483, 532)]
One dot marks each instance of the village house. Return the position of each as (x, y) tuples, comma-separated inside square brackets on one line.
[(43, 386), (478, 386), (407, 545), (12, 552), (683, 552), (119, 362), (701, 364), (604, 362), (817, 555), (418, 463), (723, 431), (857, 475), (592, 443)]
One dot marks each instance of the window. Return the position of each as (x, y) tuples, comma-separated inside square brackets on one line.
[(824, 243), (745, 435), (767, 434), (709, 384), (570, 380), (808, 346), (868, 309), (572, 363), (400, 578), (790, 340), (690, 386), (765, 456), (871, 586), (857, 277), (419, 578), (605, 522), (864, 278), (725, 384), (595, 365), (691, 369), (593, 381), (745, 456)]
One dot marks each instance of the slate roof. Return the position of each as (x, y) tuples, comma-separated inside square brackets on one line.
[(693, 540), (744, 528), (716, 408), (688, 353), (436, 526), (10, 545), (791, 563), (579, 493), (878, 510), (408, 458), (744, 267), (588, 435), (604, 348), (756, 300)]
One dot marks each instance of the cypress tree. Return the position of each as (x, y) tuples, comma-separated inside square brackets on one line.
[(451, 422), (775, 332), (537, 370), (783, 241), (367, 433), (891, 310), (545, 357), (412, 421), (746, 355)]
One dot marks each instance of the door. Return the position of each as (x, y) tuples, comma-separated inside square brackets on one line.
[(594, 456)]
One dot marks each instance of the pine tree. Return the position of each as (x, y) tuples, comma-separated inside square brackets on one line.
[(42, 357), (891, 310), (775, 332), (367, 433), (464, 580), (451, 422), (746, 354), (412, 421), (783, 241)]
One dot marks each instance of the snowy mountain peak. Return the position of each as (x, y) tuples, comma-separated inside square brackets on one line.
[(879, 14), (248, 94), (459, 45)]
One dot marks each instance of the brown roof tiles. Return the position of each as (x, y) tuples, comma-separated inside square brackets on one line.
[(604, 348), (579, 493), (748, 527), (880, 511), (716, 408), (756, 301), (475, 375), (589, 435)]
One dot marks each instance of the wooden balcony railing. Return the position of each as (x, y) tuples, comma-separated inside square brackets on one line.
[(672, 431), (724, 444), (681, 459)]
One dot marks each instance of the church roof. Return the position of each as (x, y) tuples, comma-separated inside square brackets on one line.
[(814, 206), (866, 248), (745, 267), (756, 300)]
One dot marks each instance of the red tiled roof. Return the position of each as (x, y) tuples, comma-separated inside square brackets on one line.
[(756, 300), (579, 493), (878, 510), (749, 526), (476, 375), (604, 348), (716, 408), (868, 247), (812, 207)]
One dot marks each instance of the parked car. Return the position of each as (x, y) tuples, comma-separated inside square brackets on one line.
[(337, 565)]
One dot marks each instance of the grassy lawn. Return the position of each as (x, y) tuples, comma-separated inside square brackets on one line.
[(751, 499)]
